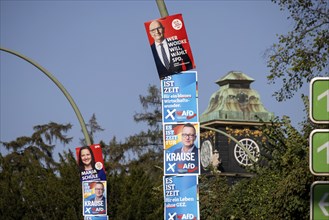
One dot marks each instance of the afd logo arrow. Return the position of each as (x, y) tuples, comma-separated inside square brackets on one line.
[(323, 204), (324, 146), (170, 114), (171, 216)]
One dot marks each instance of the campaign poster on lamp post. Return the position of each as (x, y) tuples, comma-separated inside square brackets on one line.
[(96, 217), (170, 45), (180, 98), (181, 149), (94, 198), (181, 197), (90, 162)]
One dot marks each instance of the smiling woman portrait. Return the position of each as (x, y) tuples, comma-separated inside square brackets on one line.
[(90, 167), (86, 159)]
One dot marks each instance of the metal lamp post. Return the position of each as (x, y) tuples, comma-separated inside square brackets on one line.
[(61, 87)]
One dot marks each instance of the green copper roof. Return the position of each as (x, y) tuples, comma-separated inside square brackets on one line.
[(234, 77), (235, 101)]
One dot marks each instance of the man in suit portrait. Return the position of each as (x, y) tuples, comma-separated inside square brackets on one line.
[(188, 138), (99, 199), (99, 193), (169, 55), (188, 146)]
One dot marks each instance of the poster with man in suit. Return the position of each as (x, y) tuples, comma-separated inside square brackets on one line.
[(94, 198), (170, 45), (181, 149)]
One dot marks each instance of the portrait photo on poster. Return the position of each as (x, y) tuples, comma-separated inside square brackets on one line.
[(94, 198), (90, 162), (181, 149), (170, 45)]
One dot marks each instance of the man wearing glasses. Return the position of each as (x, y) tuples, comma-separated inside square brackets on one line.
[(99, 201), (165, 52), (188, 152), (99, 190)]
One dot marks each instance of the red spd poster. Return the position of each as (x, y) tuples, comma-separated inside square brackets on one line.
[(90, 162), (170, 45)]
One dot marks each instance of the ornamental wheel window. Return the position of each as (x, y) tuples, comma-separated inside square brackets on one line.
[(241, 155), (206, 153)]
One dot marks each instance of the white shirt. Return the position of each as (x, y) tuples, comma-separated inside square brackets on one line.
[(158, 48), (189, 150)]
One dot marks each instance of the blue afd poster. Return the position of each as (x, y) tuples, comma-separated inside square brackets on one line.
[(94, 198), (181, 197), (181, 149), (96, 217), (179, 98)]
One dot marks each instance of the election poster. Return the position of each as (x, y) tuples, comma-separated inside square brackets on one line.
[(181, 199), (180, 98), (181, 149), (105, 217), (169, 45), (94, 198), (90, 162)]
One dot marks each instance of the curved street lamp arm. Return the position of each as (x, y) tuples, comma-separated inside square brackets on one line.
[(60, 86)]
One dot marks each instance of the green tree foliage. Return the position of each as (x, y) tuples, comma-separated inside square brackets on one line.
[(29, 185), (151, 140), (213, 190), (68, 181), (145, 149), (138, 199), (135, 179), (114, 156), (39, 146), (302, 53), (93, 127), (34, 186), (281, 187)]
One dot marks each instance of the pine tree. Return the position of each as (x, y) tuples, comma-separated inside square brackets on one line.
[(135, 179), (28, 180)]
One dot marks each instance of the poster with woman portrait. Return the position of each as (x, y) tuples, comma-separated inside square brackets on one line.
[(90, 162), (170, 45)]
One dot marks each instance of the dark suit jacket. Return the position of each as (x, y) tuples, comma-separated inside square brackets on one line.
[(162, 70), (195, 151), (93, 211)]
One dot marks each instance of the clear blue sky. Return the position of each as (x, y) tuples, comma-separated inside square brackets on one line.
[(100, 52)]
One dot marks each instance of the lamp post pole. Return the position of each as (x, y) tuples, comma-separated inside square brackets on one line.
[(61, 87), (162, 8), (163, 12)]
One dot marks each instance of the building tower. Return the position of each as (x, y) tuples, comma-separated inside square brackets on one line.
[(237, 110)]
